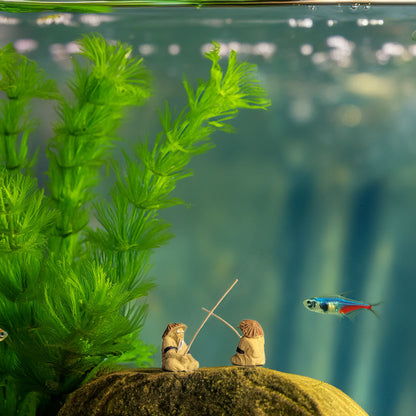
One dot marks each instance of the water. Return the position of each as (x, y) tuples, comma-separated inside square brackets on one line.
[(316, 196)]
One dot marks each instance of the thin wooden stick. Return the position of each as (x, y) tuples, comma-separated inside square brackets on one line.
[(224, 321), (210, 313)]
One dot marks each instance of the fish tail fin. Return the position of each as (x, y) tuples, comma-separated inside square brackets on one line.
[(372, 309)]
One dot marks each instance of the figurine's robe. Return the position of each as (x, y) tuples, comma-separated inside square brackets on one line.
[(174, 359), (250, 351)]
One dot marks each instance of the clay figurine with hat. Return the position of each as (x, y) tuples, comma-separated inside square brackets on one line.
[(250, 349), (174, 350)]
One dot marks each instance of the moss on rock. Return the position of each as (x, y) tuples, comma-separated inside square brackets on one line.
[(209, 391)]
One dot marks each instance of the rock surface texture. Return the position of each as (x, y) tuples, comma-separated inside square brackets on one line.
[(209, 391)]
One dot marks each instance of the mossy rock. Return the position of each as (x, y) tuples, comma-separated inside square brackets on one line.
[(209, 391)]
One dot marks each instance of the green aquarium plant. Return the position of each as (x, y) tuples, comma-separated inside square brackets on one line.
[(72, 297)]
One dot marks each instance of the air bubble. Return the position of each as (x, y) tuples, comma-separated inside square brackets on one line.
[(174, 49), (306, 49), (8, 21), (147, 49), (306, 23), (363, 22), (25, 45)]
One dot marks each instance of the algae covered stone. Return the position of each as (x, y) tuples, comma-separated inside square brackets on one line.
[(209, 391)]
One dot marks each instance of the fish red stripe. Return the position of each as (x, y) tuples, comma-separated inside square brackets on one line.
[(351, 308)]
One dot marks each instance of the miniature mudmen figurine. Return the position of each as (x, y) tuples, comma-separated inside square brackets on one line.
[(175, 356), (250, 349)]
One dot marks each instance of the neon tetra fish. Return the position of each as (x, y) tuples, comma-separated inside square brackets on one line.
[(336, 305), (3, 335)]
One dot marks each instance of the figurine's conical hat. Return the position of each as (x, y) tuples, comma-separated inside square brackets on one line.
[(174, 325), (250, 328)]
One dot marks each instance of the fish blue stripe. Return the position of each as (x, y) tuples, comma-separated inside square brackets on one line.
[(342, 301)]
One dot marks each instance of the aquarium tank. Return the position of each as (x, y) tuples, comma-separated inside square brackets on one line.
[(124, 193)]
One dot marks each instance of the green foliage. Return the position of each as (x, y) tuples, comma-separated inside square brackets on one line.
[(21, 81), (72, 297), (24, 215), (103, 88), (147, 186)]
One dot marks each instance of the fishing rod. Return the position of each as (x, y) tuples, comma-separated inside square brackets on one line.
[(209, 314), (224, 321)]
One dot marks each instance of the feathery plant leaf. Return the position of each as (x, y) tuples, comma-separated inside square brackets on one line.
[(25, 221), (126, 228), (109, 81), (111, 64), (21, 78), (25, 217), (21, 81), (148, 186)]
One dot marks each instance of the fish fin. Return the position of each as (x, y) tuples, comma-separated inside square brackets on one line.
[(344, 294), (375, 313), (349, 299), (372, 309), (350, 315)]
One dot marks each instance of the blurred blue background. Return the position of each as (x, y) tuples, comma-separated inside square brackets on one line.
[(316, 196)]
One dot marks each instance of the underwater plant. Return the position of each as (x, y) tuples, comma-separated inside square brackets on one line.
[(72, 297)]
